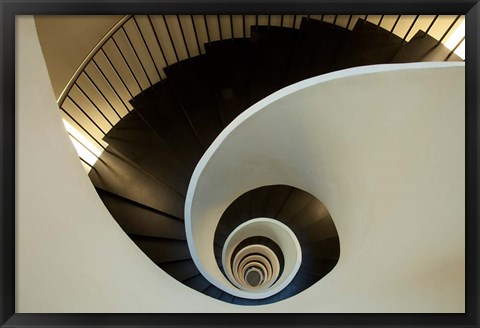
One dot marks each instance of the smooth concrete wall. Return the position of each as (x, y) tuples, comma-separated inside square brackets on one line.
[(383, 148)]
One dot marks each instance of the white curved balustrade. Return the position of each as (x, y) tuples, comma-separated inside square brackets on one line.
[(383, 148)]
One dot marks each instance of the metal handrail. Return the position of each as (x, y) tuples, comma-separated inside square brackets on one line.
[(89, 57)]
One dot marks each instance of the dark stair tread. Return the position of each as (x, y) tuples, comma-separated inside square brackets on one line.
[(116, 174), (278, 196), (245, 301), (271, 49), (132, 137), (316, 49), (138, 220), (295, 203), (198, 282), (422, 47), (180, 270), (367, 44), (161, 250), (259, 201), (190, 82), (317, 229), (229, 65), (213, 291), (226, 297), (161, 111), (319, 267), (328, 248), (217, 250)]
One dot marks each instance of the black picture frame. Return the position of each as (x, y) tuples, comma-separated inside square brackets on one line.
[(11, 8)]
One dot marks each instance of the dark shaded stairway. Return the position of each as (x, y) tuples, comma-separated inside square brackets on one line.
[(143, 176)]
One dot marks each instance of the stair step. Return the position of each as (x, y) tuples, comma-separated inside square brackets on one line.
[(161, 250), (226, 297), (320, 267), (138, 142), (421, 48), (141, 220), (270, 55), (245, 301), (367, 44), (316, 229), (213, 291), (181, 270), (190, 83), (278, 196), (229, 65), (116, 174), (161, 111), (328, 248), (316, 49), (259, 201), (198, 283), (295, 203)]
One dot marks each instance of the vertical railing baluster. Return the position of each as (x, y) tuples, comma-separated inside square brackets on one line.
[(116, 72), (410, 28), (380, 21), (110, 84), (81, 126), (206, 28), (231, 27), (88, 116), (455, 48), (321, 18), (335, 20), (365, 19), (85, 162), (196, 35), (294, 21), (147, 47), (83, 145), (126, 63), (281, 20), (183, 36), (158, 40), (101, 93), (448, 30), (171, 39), (431, 24), (91, 101), (269, 18), (137, 56), (243, 26), (219, 27), (349, 21), (256, 21), (395, 24)]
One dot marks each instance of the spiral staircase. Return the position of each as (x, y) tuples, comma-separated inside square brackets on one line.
[(143, 175)]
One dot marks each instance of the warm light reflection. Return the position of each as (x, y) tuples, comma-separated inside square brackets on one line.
[(85, 149), (455, 38)]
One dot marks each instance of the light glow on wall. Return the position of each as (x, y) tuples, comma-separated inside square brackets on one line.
[(85, 149), (455, 38)]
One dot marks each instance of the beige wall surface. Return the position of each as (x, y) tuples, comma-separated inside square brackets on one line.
[(67, 40)]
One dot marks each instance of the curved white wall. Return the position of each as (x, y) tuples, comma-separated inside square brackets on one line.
[(383, 148)]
